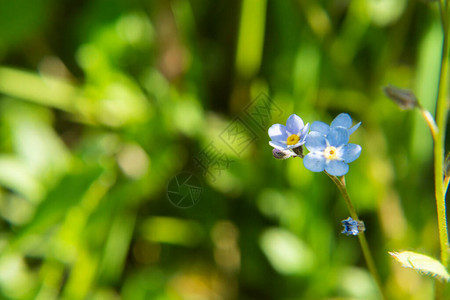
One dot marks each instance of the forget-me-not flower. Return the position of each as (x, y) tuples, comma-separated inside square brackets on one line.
[(342, 120), (288, 137), (352, 227), (330, 152)]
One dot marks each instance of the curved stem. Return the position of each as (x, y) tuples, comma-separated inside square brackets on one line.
[(441, 119), (440, 186), (340, 183), (430, 121)]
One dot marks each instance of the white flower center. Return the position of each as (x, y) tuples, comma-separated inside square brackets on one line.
[(331, 153)]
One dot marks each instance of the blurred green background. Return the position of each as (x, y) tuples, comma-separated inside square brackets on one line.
[(104, 103)]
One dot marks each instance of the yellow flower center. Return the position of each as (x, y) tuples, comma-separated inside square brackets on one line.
[(292, 139), (331, 153)]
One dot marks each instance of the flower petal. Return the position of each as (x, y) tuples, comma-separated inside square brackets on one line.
[(294, 124), (315, 142), (277, 132), (337, 136), (314, 162), (304, 133), (342, 120), (351, 152), (336, 167), (278, 145), (351, 130), (320, 127)]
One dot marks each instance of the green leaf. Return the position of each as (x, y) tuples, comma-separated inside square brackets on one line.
[(421, 263)]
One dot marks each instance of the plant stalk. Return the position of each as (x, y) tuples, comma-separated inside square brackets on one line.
[(430, 121), (439, 147), (340, 183), (439, 143)]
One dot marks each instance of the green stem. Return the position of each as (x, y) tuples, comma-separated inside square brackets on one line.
[(340, 183), (446, 182), (439, 145), (441, 120), (430, 121)]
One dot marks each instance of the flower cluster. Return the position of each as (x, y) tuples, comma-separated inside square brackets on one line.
[(328, 145)]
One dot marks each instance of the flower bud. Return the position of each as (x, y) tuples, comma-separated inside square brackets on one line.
[(405, 99), (281, 154), (353, 227)]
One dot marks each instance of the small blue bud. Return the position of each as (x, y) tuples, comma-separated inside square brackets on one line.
[(352, 227)]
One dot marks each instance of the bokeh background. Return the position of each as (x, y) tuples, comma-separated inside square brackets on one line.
[(134, 156)]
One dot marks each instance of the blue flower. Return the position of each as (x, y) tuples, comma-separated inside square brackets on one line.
[(288, 137), (342, 120), (330, 152), (352, 227)]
